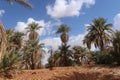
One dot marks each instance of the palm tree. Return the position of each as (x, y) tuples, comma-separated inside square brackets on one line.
[(36, 53), (10, 61), (116, 45), (32, 28), (78, 52), (22, 2), (65, 55), (14, 40), (98, 34), (2, 30), (64, 29), (17, 39)]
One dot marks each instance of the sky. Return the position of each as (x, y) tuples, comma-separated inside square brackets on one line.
[(77, 14)]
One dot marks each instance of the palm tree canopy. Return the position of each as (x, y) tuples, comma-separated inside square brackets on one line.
[(22, 2), (98, 33), (63, 29), (33, 26), (79, 49)]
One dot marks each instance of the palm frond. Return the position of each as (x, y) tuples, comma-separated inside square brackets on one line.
[(21, 2)]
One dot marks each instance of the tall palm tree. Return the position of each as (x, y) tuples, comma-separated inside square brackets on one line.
[(2, 30), (32, 28), (98, 33), (64, 29), (22, 2)]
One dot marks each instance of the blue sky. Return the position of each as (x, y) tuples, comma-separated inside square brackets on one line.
[(51, 13)]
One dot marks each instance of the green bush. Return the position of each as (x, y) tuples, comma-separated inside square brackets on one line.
[(10, 61), (103, 57)]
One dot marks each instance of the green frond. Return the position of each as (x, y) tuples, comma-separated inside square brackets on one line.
[(63, 29)]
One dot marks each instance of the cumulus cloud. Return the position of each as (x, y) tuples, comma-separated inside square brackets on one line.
[(66, 8), (2, 12), (54, 42), (22, 25), (46, 26), (117, 22)]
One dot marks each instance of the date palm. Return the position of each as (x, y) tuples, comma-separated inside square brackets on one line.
[(2, 30), (32, 29), (35, 53), (65, 55), (116, 46), (22, 2), (17, 39), (98, 34), (78, 52), (64, 29), (14, 40)]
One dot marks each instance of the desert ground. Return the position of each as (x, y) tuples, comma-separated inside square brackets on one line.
[(67, 73)]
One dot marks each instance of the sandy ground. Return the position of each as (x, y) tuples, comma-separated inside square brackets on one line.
[(68, 73)]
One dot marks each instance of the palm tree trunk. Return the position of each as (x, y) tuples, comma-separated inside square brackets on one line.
[(3, 41), (32, 61), (101, 44)]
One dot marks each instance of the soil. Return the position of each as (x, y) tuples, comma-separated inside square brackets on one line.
[(67, 73)]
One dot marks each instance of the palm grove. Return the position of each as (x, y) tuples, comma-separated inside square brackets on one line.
[(18, 53)]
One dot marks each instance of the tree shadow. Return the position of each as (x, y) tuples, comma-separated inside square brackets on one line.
[(79, 76), (87, 76)]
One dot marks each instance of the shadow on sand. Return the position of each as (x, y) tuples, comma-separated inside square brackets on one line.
[(86, 76)]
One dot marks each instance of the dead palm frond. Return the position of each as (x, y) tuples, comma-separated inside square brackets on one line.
[(3, 40), (22, 2)]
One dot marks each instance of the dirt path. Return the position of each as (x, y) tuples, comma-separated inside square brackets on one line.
[(68, 73)]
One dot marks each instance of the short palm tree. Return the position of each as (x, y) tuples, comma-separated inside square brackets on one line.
[(32, 28), (17, 39), (22, 2), (78, 52), (98, 34), (64, 29), (36, 53), (116, 45), (14, 40), (10, 61), (65, 55)]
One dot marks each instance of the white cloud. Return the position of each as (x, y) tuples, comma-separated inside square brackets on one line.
[(46, 26), (2, 12), (66, 8), (117, 22), (53, 42), (22, 25)]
